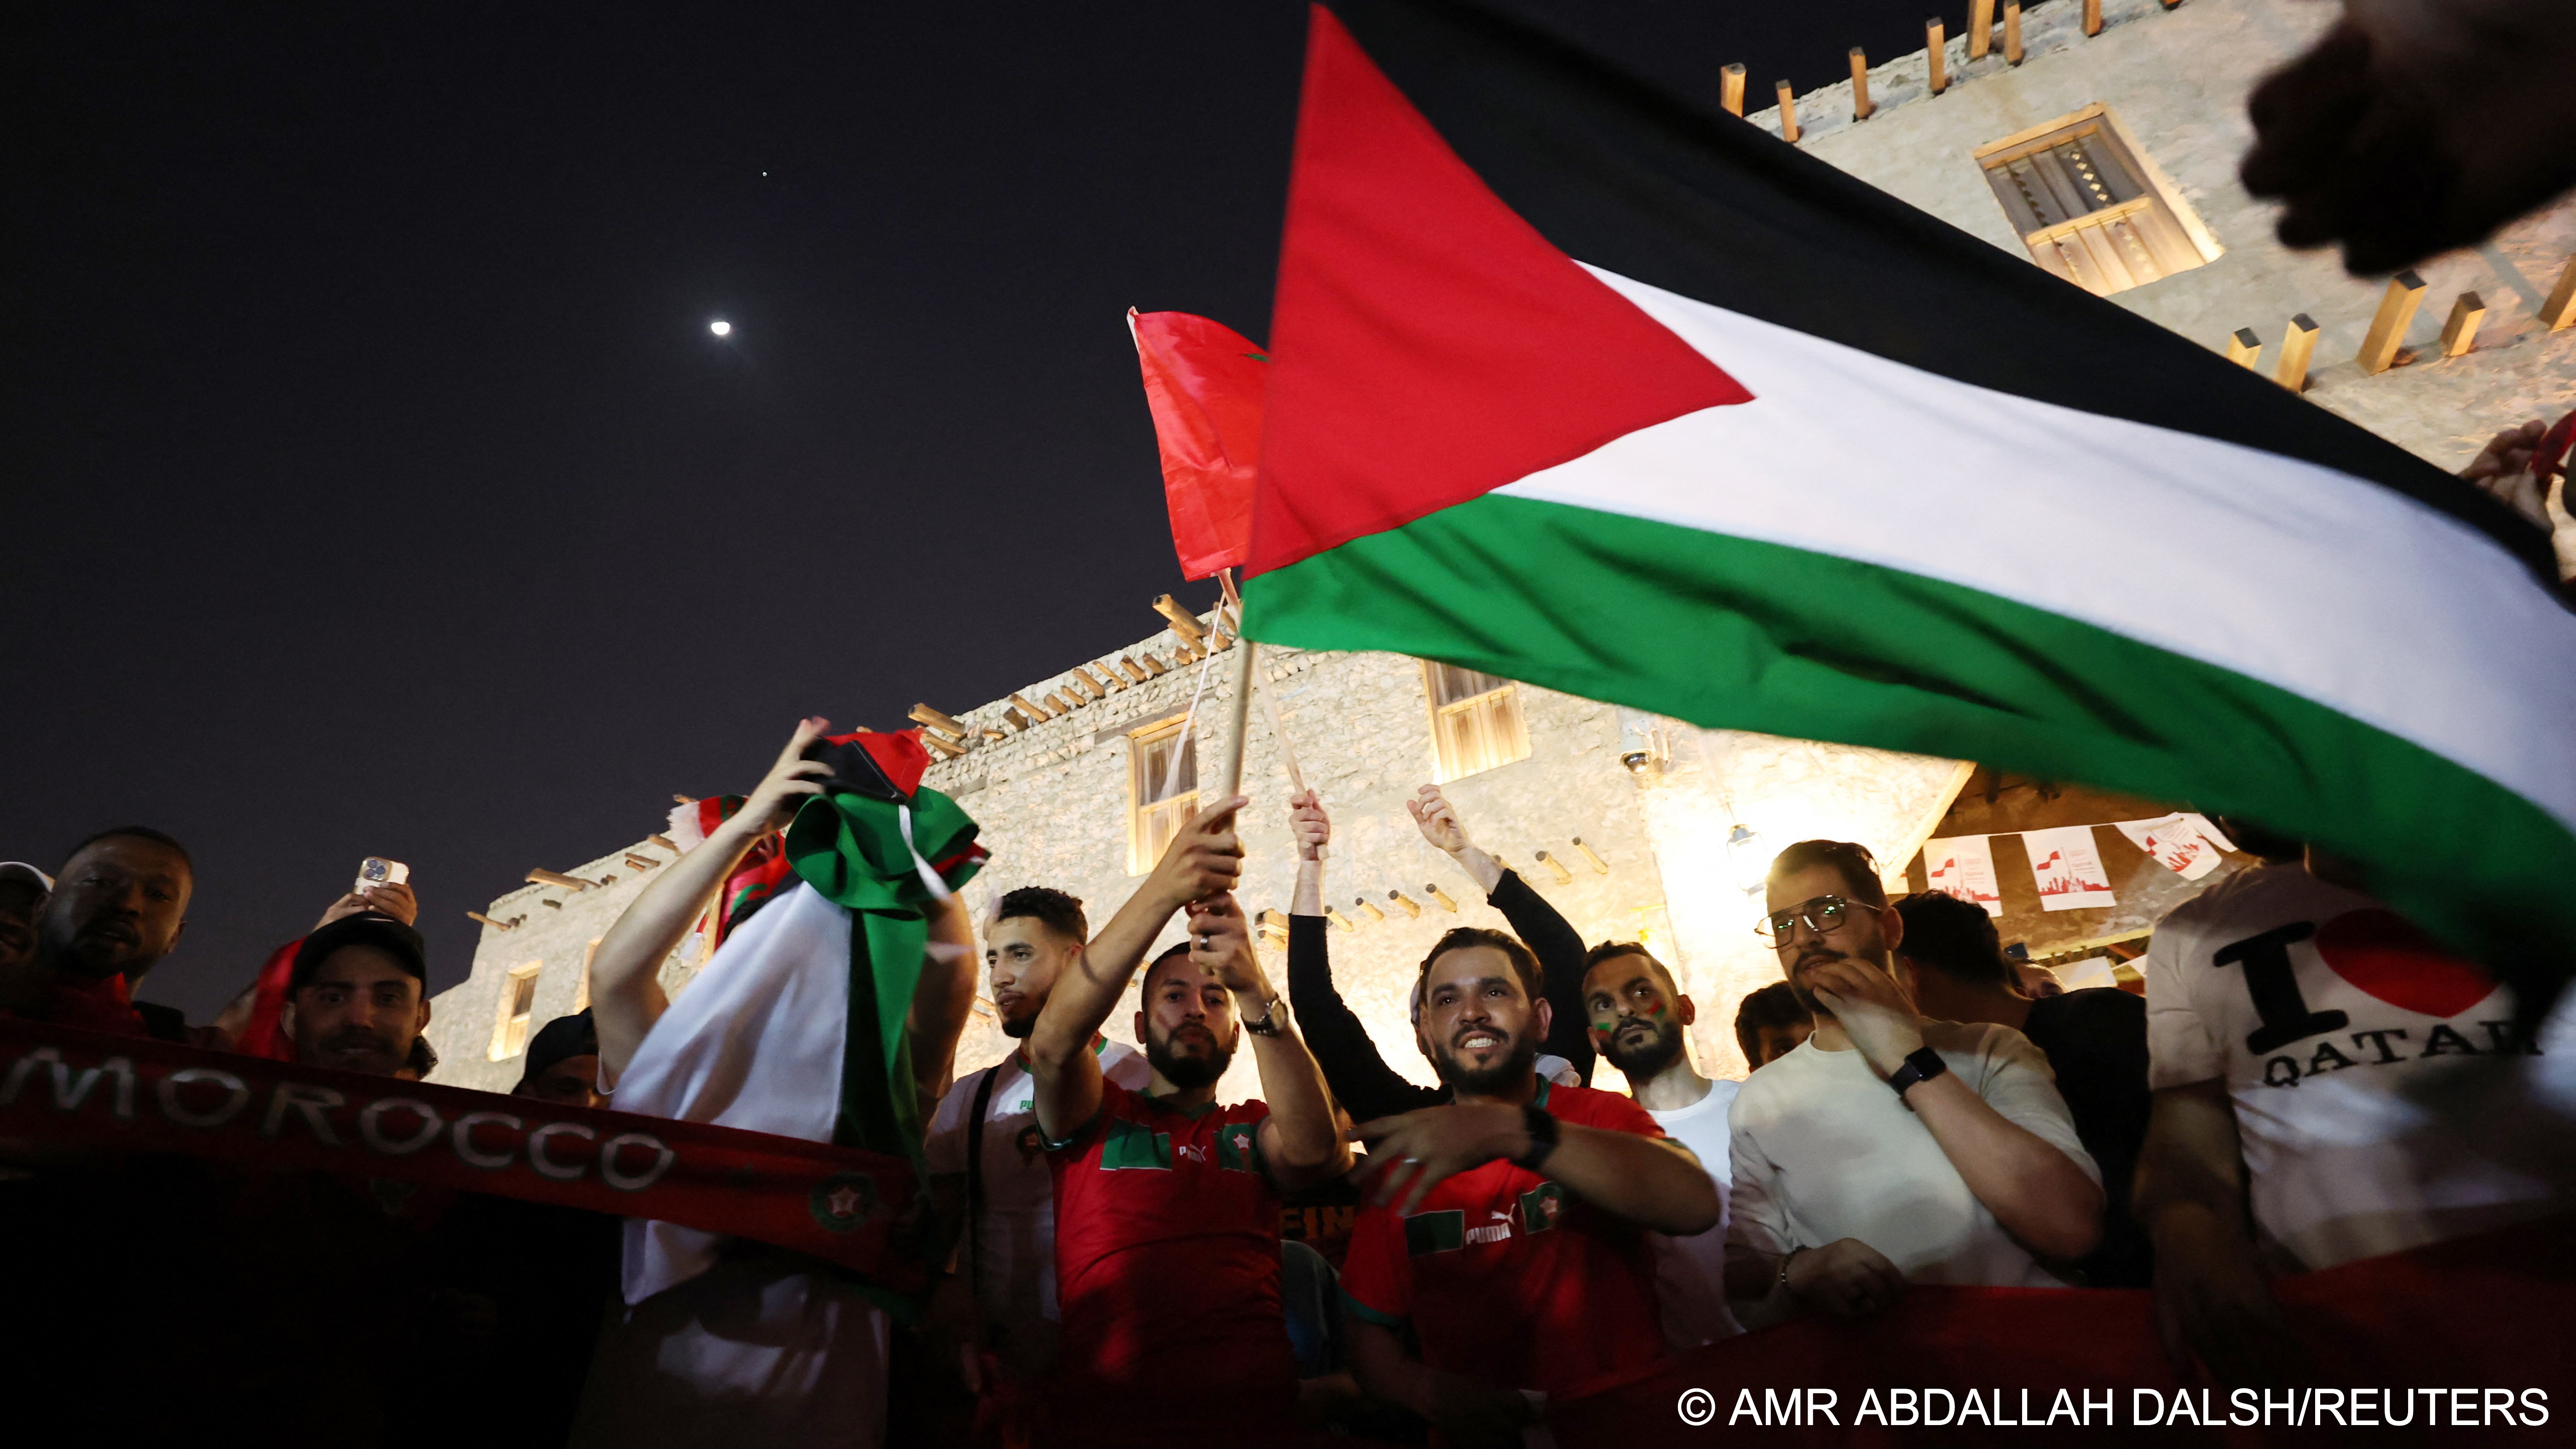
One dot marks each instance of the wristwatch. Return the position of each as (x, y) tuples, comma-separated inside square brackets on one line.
[(1920, 1065), (1274, 1018), (1540, 1123)]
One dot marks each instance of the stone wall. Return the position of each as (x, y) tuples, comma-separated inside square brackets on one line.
[(2179, 80)]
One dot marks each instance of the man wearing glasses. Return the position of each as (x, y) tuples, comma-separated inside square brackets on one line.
[(1889, 1149)]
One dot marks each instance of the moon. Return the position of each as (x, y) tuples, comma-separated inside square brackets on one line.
[(721, 328)]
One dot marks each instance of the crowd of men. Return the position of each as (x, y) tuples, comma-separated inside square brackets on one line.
[(1915, 1114)]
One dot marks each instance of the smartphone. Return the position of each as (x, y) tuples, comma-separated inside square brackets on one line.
[(377, 871)]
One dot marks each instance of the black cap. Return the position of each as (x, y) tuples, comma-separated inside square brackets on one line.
[(560, 1040), (363, 929)]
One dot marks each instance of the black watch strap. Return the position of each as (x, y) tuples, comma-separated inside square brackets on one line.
[(1919, 1066), (1541, 1125)]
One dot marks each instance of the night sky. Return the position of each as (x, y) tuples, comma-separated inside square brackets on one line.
[(373, 484)]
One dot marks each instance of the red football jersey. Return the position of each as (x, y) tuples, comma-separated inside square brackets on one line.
[(1167, 1267), (1510, 1278)]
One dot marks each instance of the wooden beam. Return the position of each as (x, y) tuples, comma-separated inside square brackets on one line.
[(1183, 622), (1015, 719), (2245, 349), (1730, 89), (1563, 876), (2092, 17), (1437, 894), (2298, 344), (1082, 676), (684, 799), (1981, 28), (2388, 329), (640, 862), (941, 748), (1935, 49), (1132, 670), (1374, 914), (2560, 309), (1152, 664), (924, 714), (1599, 866), (664, 841), (1408, 904), (2012, 32), (1338, 919), (1026, 707), (495, 925), (2460, 333), (1860, 85), (1788, 112), (557, 878)]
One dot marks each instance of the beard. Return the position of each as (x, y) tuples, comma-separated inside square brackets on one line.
[(1817, 956), (1018, 1029), (1514, 1065), (1649, 1057), (1189, 1073)]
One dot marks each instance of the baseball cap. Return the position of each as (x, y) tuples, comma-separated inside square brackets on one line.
[(560, 1040), (19, 870), (366, 928)]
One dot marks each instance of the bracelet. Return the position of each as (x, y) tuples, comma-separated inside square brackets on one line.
[(1784, 1266)]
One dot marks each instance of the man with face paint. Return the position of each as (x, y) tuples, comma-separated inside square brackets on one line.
[(1508, 1228), (1889, 1148), (1639, 1019), (1167, 1205)]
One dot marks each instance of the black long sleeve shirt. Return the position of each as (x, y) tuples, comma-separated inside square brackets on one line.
[(1360, 1078)]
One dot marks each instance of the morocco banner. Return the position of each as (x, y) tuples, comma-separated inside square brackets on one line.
[(78, 1092), (1583, 383)]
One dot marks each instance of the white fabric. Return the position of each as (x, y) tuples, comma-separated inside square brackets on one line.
[(1690, 1273), (1557, 1070), (1824, 1151), (2343, 593), (1018, 1230), (2349, 1153), (754, 1352), (754, 1043)]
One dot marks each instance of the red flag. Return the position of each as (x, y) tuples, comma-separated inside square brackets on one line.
[(1203, 381)]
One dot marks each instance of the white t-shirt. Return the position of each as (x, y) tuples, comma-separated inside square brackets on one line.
[(1690, 1273), (2328, 1019), (1824, 1151), (1018, 1230)]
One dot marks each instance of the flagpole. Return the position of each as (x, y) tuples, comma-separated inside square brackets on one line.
[(1242, 714)]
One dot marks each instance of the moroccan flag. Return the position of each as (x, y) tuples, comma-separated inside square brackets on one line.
[(1580, 383), (1203, 383)]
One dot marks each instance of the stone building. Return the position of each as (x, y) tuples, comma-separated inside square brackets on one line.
[(2110, 159)]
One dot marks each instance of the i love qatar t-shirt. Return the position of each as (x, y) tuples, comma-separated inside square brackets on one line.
[(2338, 1026)]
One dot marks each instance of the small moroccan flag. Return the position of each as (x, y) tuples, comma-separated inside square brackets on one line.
[(1580, 383)]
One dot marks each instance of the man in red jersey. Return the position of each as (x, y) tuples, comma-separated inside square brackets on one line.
[(1167, 1205), (1509, 1227)]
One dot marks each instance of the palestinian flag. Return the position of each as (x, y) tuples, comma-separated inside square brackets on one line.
[(797, 1024), (1580, 383)]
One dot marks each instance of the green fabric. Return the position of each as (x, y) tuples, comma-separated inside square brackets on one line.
[(1126, 1144), (1439, 1230), (851, 850), (1733, 634)]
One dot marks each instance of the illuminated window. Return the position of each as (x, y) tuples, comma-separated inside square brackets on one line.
[(518, 998), (581, 992), (2091, 207), (1475, 720), (1161, 797)]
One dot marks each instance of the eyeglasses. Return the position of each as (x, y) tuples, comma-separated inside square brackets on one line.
[(1824, 915)]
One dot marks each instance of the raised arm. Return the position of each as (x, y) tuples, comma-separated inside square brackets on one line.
[(1359, 1077), (1541, 927), (2039, 1194), (625, 991), (1299, 1141), (1653, 1182), (1203, 860), (941, 1001)]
